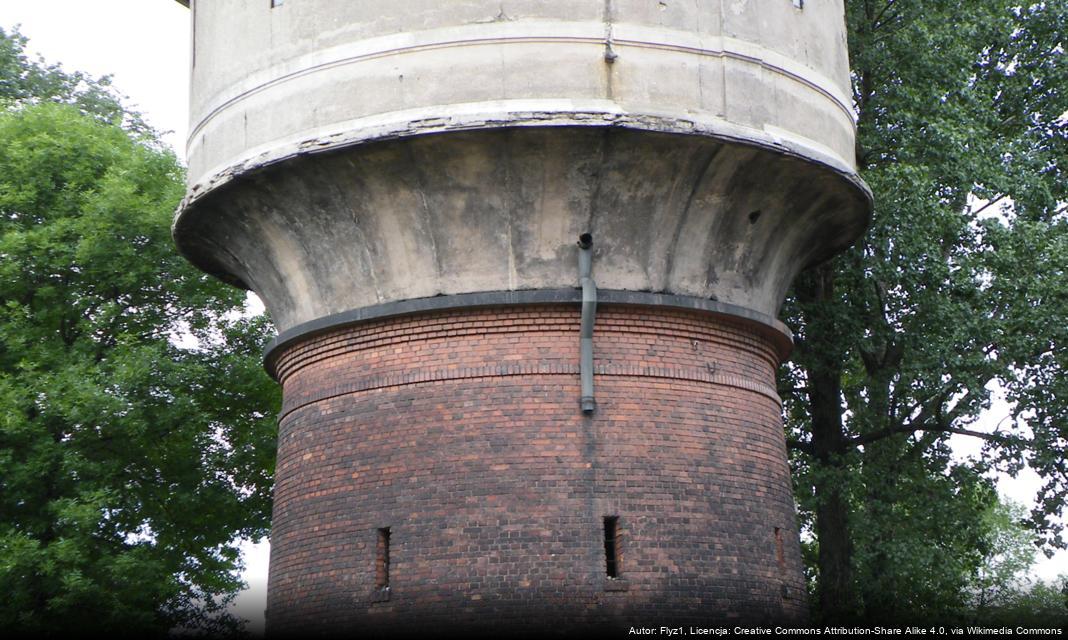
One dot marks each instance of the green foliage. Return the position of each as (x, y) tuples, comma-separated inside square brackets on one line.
[(1001, 594), (126, 468), (1009, 551), (958, 286), (1041, 605)]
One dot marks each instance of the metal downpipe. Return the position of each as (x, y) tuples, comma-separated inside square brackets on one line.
[(589, 314)]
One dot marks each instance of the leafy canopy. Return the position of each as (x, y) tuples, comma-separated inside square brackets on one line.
[(126, 467), (957, 289)]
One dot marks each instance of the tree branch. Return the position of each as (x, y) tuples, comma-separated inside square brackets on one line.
[(885, 433), (993, 437), (988, 205), (936, 423), (877, 22)]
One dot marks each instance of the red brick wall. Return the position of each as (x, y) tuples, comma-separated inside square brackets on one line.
[(461, 432)]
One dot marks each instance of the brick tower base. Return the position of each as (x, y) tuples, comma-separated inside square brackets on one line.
[(435, 472)]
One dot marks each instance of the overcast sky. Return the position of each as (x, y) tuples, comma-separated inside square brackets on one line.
[(144, 45)]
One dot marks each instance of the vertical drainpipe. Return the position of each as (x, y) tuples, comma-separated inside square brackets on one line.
[(589, 313)]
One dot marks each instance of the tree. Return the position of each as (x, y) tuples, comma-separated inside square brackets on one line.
[(1001, 593), (957, 287), (1010, 552), (126, 468), (1041, 605)]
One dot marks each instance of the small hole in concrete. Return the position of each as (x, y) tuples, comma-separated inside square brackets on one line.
[(754, 216)]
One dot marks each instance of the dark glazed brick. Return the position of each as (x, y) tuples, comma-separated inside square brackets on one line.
[(461, 432)]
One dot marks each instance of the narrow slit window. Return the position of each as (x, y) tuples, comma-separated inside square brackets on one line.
[(611, 546), (382, 559), (780, 554)]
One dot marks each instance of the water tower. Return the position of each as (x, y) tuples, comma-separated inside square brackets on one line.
[(525, 259)]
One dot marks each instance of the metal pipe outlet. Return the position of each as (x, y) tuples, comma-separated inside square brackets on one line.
[(589, 314)]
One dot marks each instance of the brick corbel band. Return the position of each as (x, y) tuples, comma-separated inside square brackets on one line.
[(423, 376), (765, 325)]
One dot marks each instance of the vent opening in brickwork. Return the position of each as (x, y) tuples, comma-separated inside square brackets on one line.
[(382, 559), (611, 546), (780, 555)]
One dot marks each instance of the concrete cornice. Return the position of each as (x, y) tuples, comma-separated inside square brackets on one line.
[(501, 114)]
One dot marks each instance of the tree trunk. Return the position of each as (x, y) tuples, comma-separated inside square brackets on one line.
[(823, 363), (837, 597)]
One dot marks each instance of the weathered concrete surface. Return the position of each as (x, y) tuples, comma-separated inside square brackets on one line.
[(323, 72), (344, 154), (501, 209)]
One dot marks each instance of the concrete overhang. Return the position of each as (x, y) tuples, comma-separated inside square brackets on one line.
[(318, 233)]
